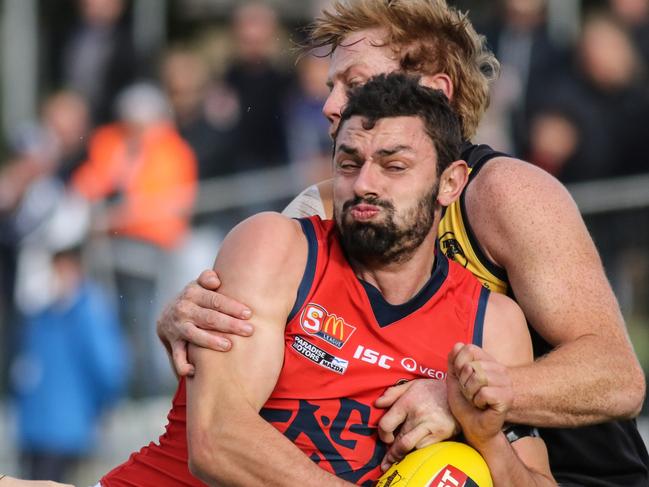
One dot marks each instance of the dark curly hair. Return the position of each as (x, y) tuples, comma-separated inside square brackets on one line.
[(401, 95)]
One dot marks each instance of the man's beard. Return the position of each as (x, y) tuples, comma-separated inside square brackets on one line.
[(386, 242)]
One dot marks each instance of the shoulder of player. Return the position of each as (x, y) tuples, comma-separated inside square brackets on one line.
[(308, 203), (264, 247), (510, 202), (507, 179), (505, 335)]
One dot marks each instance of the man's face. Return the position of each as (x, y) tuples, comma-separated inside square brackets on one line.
[(360, 57), (385, 188)]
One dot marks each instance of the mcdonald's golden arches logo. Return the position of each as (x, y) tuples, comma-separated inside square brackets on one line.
[(333, 329)]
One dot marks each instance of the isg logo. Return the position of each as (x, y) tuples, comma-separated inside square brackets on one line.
[(316, 321)]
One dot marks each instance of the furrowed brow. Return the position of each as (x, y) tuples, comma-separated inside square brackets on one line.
[(393, 150), (352, 151)]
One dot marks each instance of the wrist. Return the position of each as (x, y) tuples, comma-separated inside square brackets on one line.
[(487, 445)]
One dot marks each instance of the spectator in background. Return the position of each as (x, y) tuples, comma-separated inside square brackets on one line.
[(185, 77), (144, 173), (598, 113), (259, 86), (634, 14), (48, 150), (308, 131), (98, 57), (71, 361), (66, 117), (44, 153), (529, 59)]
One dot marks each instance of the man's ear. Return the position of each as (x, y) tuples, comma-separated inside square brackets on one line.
[(452, 182), (439, 81)]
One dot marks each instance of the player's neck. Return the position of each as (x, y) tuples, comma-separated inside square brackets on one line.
[(399, 281)]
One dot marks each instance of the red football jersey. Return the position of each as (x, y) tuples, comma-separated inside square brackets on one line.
[(344, 345), (162, 464)]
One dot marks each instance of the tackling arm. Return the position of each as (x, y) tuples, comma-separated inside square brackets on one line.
[(528, 223), (480, 394), (229, 443)]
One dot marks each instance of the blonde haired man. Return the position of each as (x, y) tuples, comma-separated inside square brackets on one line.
[(515, 227)]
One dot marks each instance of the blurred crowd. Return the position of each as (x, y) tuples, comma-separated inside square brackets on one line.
[(577, 109), (108, 176)]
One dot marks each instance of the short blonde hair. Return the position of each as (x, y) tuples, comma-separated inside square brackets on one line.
[(429, 37)]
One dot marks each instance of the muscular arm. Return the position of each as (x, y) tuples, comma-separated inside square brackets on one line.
[(480, 394), (528, 223), (506, 346), (229, 443), (205, 317)]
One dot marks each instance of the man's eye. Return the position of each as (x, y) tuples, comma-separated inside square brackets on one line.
[(355, 82), (395, 168), (347, 165)]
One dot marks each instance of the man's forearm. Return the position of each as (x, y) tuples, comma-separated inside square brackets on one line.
[(248, 451), (507, 469), (600, 373)]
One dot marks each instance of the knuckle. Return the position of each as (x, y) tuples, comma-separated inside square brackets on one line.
[(216, 301), (403, 446), (384, 425), (208, 317), (188, 291), (224, 322), (211, 319), (418, 411), (182, 307), (188, 330), (407, 442)]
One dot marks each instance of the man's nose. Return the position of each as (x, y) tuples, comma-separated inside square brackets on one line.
[(333, 107), (366, 181)]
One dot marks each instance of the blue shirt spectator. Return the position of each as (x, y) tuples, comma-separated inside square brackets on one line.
[(72, 366)]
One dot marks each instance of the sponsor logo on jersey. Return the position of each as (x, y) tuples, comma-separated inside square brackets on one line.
[(333, 329), (449, 476), (318, 356), (387, 362)]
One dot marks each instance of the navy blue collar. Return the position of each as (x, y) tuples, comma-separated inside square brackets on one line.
[(387, 313)]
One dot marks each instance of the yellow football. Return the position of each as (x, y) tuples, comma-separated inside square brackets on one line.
[(445, 464)]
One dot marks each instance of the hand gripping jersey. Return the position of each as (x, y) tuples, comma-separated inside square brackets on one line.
[(344, 345), (604, 455)]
